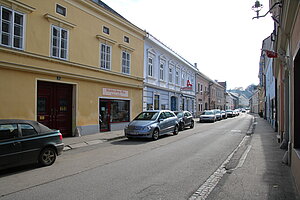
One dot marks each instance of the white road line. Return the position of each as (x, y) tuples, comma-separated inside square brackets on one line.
[(208, 186)]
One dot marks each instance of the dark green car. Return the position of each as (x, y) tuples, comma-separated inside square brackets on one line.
[(24, 142)]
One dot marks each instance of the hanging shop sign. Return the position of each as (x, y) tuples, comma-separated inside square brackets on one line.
[(189, 86)]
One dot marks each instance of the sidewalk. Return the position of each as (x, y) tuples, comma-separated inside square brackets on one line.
[(262, 175), (86, 140)]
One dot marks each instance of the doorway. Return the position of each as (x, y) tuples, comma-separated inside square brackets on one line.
[(54, 106)]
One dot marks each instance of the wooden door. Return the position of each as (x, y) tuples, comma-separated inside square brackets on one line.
[(54, 106)]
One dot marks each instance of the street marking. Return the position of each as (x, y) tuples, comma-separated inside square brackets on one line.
[(208, 186)]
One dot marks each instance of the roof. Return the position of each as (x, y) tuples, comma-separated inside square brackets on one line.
[(40, 128)]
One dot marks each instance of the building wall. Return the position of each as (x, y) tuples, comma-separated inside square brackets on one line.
[(21, 69), (202, 93), (182, 90)]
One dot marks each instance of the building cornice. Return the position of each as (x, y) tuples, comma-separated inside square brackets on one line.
[(17, 5)]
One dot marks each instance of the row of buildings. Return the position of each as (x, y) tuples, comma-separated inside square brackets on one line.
[(278, 95), (80, 67)]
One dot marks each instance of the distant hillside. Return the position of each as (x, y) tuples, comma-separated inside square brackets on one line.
[(247, 93)]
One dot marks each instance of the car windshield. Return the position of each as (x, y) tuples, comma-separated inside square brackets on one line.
[(208, 113), (147, 116), (179, 114)]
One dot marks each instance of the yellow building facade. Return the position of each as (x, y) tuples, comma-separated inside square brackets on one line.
[(73, 65)]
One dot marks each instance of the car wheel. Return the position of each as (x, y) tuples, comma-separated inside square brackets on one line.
[(47, 156), (181, 126), (155, 134), (192, 124), (175, 132)]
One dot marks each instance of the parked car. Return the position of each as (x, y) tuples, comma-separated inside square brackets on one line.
[(185, 119), (24, 142), (208, 116), (152, 124), (230, 113), (236, 112), (218, 114), (223, 114)]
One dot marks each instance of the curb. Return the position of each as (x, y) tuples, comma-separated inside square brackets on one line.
[(90, 142)]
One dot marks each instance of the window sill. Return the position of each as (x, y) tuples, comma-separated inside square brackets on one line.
[(151, 77), (162, 81)]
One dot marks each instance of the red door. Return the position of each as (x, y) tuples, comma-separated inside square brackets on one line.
[(54, 106), (104, 115)]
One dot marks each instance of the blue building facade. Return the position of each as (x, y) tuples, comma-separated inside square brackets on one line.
[(169, 80)]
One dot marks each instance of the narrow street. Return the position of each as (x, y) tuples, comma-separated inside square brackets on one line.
[(173, 167)]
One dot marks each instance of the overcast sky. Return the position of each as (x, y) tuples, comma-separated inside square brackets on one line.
[(220, 36)]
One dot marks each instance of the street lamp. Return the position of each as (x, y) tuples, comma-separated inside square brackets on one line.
[(256, 8)]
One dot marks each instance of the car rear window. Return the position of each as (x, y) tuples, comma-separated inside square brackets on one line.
[(27, 130)]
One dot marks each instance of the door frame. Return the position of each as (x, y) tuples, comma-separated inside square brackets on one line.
[(74, 99)]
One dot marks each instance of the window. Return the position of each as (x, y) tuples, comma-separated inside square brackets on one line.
[(161, 71), (8, 131), (61, 10), (183, 80), (125, 62), (59, 42), (126, 39), (105, 56), (12, 28), (201, 89), (120, 111), (150, 66), (177, 77), (106, 30), (156, 102), (170, 74), (198, 90), (27, 130)]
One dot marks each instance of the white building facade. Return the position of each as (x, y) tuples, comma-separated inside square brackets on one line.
[(169, 80)]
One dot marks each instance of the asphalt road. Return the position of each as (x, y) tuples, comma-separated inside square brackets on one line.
[(173, 167)]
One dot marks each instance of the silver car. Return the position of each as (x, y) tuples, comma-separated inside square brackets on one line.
[(208, 116), (152, 124)]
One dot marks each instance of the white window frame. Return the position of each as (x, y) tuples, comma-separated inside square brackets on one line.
[(170, 74), (150, 67), (105, 58), (126, 62), (59, 42), (11, 33), (161, 71), (177, 77)]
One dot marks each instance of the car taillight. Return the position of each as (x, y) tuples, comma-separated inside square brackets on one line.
[(60, 136)]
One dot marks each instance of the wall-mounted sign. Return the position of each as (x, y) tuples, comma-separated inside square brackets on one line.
[(115, 92), (189, 86)]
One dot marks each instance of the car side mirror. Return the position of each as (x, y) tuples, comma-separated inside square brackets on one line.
[(160, 120)]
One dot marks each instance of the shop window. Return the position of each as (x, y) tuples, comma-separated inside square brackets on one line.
[(120, 111)]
